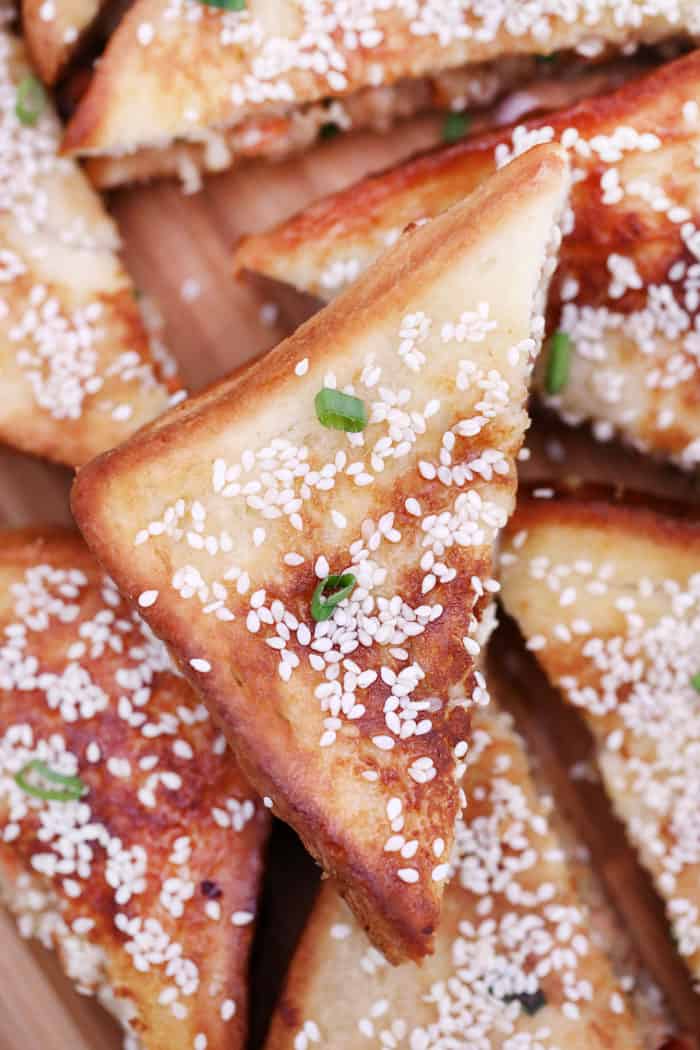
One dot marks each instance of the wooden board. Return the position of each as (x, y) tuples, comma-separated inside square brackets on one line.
[(169, 240)]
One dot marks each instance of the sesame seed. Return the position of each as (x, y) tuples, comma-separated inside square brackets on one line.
[(228, 1009), (145, 33), (242, 918), (190, 289), (147, 598), (409, 875), (197, 664)]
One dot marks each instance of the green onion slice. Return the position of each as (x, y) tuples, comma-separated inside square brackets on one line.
[(225, 5), (30, 101), (695, 682), (323, 603), (66, 789), (558, 363), (531, 1002), (455, 126), (340, 411), (329, 130)]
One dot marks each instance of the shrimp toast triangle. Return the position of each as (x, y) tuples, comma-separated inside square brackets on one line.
[(143, 868), (229, 513), (511, 916), (607, 596), (626, 289), (182, 77), (79, 370)]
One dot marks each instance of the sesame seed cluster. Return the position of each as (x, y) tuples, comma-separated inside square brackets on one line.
[(227, 558), (626, 291), (634, 323), (518, 961), (618, 634), (375, 688), (281, 65), (157, 863), (81, 369)]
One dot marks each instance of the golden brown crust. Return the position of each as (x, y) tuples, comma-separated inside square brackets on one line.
[(454, 990), (135, 917), (427, 184), (298, 745), (606, 594), (211, 70), (624, 290), (80, 370), (658, 520)]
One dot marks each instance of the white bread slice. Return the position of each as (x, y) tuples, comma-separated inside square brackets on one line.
[(232, 509)]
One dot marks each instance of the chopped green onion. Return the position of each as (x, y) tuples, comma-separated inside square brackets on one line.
[(531, 1002), (558, 363), (225, 5), (695, 682), (340, 411), (68, 789), (455, 126), (329, 130), (553, 57), (322, 605), (30, 101)]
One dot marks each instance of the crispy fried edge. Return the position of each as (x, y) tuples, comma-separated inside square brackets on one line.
[(354, 208)]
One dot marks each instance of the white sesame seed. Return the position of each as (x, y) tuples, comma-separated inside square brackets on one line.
[(242, 918), (145, 33), (393, 808), (384, 743), (409, 875), (197, 664), (228, 1009), (147, 598), (190, 289)]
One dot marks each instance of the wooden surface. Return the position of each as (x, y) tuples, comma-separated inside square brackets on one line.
[(170, 239)]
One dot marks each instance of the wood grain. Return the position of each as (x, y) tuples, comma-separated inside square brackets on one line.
[(169, 238)]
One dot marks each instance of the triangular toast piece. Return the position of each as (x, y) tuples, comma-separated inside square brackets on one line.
[(270, 77), (228, 515), (511, 916), (79, 370), (626, 288), (607, 595), (146, 883), (54, 31)]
